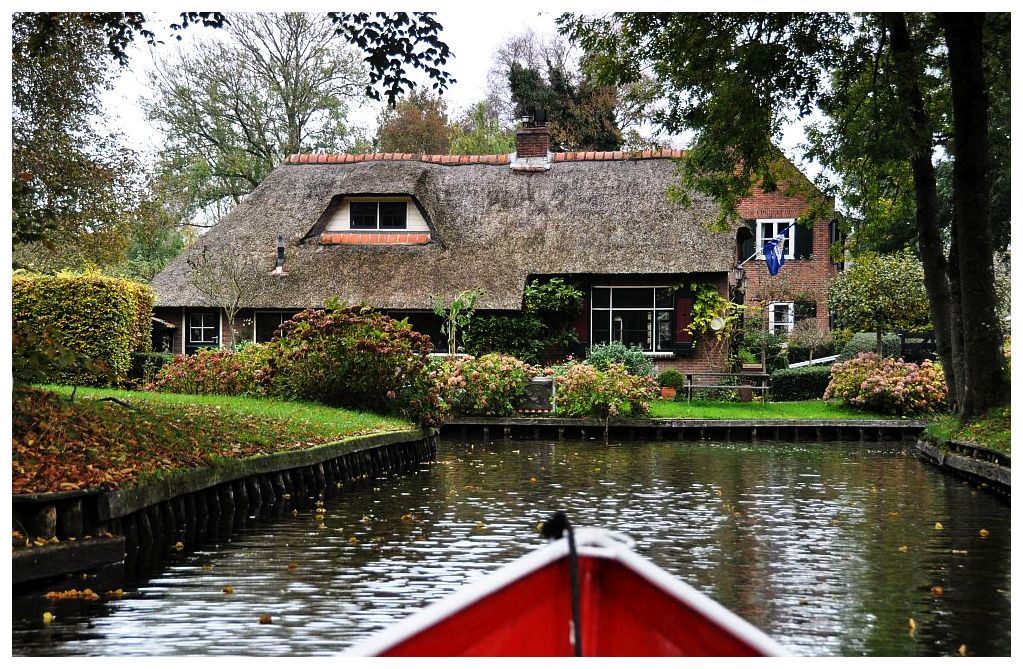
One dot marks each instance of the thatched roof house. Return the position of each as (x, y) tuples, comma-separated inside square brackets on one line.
[(401, 231)]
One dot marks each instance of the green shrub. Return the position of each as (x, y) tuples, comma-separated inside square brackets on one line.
[(671, 378), (491, 385), (145, 366), (800, 383), (352, 357), (519, 335), (544, 324), (602, 356), (96, 320), (866, 342), (584, 390), (888, 386)]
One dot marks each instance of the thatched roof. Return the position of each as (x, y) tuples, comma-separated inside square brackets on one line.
[(603, 213)]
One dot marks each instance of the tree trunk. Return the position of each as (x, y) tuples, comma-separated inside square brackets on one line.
[(985, 385), (958, 362), (932, 254)]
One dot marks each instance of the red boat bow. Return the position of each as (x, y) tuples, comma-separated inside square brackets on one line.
[(628, 607)]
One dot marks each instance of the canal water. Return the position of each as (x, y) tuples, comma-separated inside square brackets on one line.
[(831, 549)]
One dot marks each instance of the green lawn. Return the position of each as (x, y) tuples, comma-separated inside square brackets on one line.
[(806, 410), (991, 430), (303, 418)]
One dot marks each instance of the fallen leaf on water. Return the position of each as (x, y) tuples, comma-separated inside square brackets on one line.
[(365, 519), (407, 518), (937, 590), (179, 546), (114, 594), (207, 567), (984, 533), (353, 540), (228, 589), (957, 552), (265, 619), (939, 526), (912, 627), (47, 618), (294, 513), (904, 549), (962, 650), (292, 566), (893, 514)]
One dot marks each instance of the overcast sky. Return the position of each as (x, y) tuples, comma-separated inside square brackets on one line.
[(472, 36)]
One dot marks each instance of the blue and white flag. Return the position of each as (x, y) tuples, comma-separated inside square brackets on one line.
[(774, 253)]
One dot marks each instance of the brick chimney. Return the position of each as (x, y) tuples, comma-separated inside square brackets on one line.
[(532, 142)]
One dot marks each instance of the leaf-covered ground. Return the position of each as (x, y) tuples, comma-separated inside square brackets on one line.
[(993, 429), (59, 444)]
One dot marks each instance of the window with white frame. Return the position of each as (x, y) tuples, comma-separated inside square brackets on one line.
[(772, 227), (203, 326), (781, 317), (640, 316)]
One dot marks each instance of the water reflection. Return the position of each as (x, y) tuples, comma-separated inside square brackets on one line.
[(831, 549)]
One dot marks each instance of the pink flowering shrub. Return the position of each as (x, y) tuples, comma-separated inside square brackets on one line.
[(352, 357), (490, 385), (888, 386), (212, 372), (583, 390)]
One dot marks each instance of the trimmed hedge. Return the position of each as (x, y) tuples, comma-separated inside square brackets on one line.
[(800, 383), (98, 320)]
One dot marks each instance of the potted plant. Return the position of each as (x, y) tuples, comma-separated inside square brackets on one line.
[(670, 381)]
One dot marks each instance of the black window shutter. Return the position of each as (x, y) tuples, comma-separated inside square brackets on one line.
[(804, 242), (748, 244)]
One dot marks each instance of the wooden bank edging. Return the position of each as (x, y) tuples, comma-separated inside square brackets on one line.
[(968, 466), (686, 429), (92, 528), (122, 502)]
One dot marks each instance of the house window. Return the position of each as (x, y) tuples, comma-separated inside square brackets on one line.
[(267, 323), (781, 317), (635, 316), (378, 215), (202, 327), (771, 227)]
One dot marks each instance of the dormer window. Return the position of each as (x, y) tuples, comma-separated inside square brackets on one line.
[(378, 215), (373, 219)]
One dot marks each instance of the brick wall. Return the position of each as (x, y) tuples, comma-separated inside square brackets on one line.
[(811, 278)]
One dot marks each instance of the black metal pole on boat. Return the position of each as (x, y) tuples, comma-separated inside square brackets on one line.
[(553, 529)]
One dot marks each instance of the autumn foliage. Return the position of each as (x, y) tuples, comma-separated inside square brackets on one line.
[(63, 445)]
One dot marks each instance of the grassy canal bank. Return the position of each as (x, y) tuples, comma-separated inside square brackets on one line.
[(66, 439), (64, 443)]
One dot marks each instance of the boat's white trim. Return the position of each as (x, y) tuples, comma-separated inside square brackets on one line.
[(591, 542)]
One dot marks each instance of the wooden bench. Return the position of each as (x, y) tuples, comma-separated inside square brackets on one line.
[(759, 381)]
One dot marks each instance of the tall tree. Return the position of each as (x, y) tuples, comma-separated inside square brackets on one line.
[(73, 181), (984, 385), (734, 79), (233, 109), (416, 124)]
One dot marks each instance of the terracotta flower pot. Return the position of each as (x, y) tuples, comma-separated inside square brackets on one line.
[(668, 393)]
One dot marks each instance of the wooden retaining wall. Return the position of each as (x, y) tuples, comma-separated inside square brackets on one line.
[(93, 527), (683, 429)]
